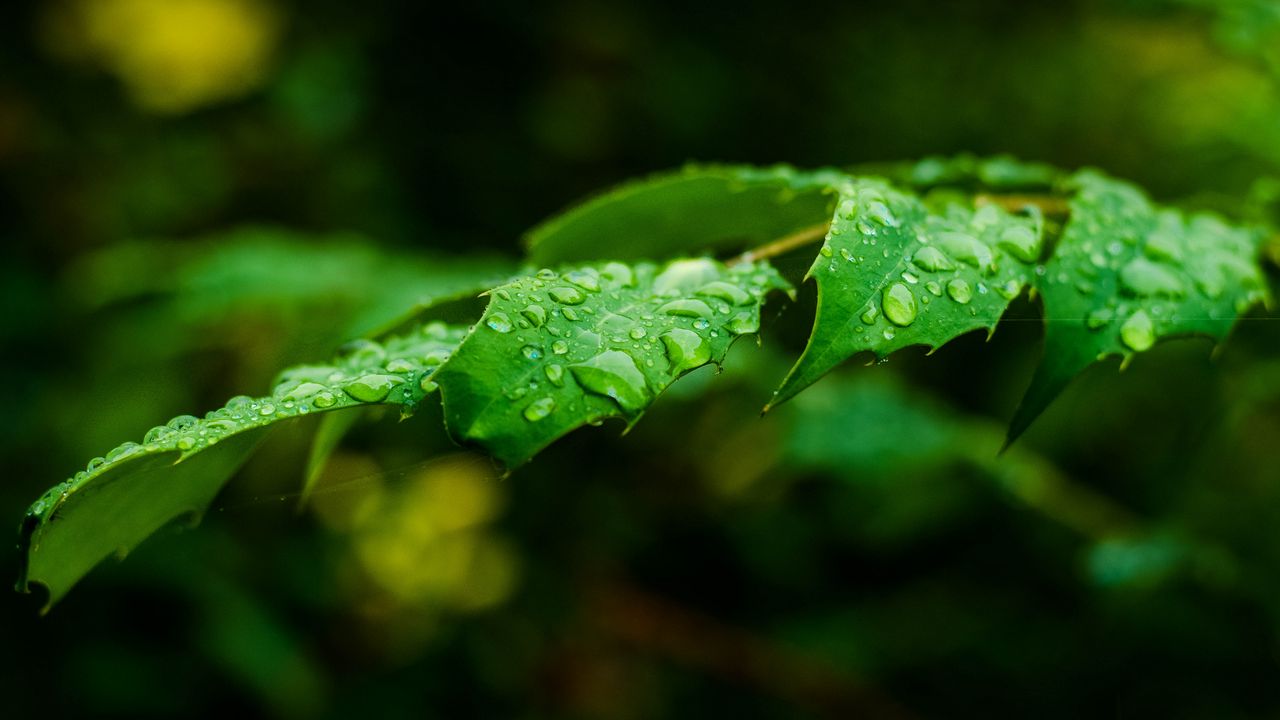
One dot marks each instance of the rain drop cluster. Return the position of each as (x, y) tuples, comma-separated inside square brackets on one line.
[(398, 371)]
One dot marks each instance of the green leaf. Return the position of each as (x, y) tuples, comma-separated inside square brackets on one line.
[(694, 210), (1127, 274), (554, 351), (134, 490), (1002, 173), (893, 274)]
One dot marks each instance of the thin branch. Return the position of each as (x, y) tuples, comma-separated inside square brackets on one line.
[(1049, 205), (783, 245)]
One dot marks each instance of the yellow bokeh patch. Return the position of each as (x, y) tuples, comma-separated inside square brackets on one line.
[(172, 55)]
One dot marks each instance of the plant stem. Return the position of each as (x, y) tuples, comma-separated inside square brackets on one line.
[(1049, 205), (783, 245)]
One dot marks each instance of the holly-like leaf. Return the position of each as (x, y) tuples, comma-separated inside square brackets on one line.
[(694, 210), (892, 274), (1127, 274), (178, 468), (556, 351)]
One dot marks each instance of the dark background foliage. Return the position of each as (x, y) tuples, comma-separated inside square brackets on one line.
[(186, 187)]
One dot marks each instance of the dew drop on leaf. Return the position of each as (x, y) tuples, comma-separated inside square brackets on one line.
[(499, 322), (685, 349), (1143, 277), (535, 314), (959, 291), (555, 374), (727, 292), (1138, 332), (899, 305), (1099, 318), (566, 295), (1021, 242), (539, 409), (967, 249), (614, 374), (685, 307), (743, 323), (931, 259), (370, 388)]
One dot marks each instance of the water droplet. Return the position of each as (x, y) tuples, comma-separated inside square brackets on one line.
[(1021, 242), (899, 305), (869, 315), (499, 322), (239, 405), (743, 323), (371, 388), (933, 288), (911, 279), (1164, 245), (539, 409), (555, 373), (1009, 289), (566, 295), (123, 451), (535, 314), (701, 324), (266, 409), (614, 374), (559, 347), (931, 259), (959, 291), (183, 422), (685, 349), (967, 249), (685, 307), (585, 279), (825, 251), (637, 333), (844, 253), (1143, 277), (889, 333), (157, 434), (324, 399), (304, 391), (428, 385), (533, 352), (569, 314), (727, 292), (400, 365), (1138, 332), (1099, 318), (618, 274), (683, 276), (363, 352), (879, 212)]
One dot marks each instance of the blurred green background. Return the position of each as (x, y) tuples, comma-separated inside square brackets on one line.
[(194, 193)]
